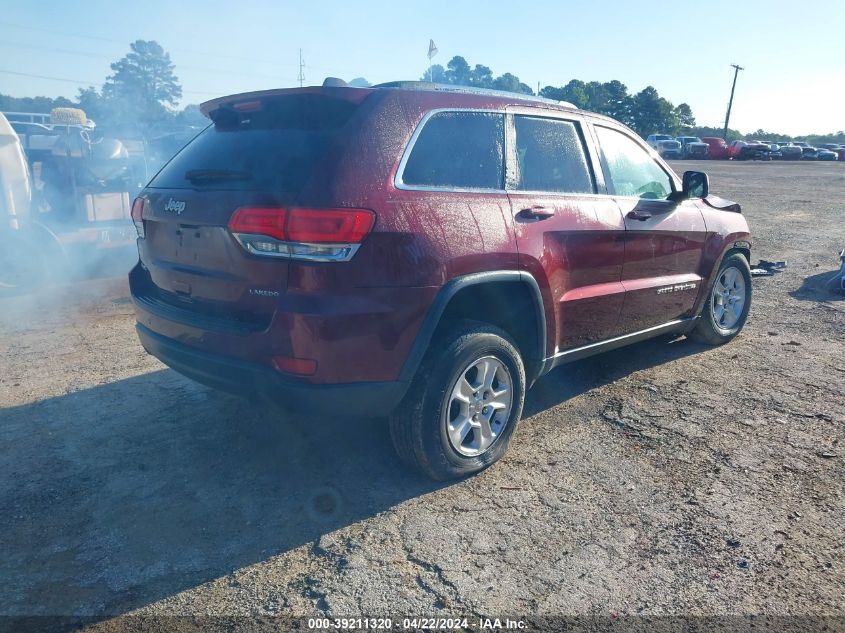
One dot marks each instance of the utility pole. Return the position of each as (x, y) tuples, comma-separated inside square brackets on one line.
[(731, 100), (301, 69)]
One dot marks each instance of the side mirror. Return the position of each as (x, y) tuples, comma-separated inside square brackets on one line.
[(696, 184)]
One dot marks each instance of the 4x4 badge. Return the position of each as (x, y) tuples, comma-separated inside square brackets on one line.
[(176, 206)]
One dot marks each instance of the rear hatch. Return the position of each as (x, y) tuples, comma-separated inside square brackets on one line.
[(259, 152)]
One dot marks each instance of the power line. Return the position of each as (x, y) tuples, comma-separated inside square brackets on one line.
[(65, 79), (124, 42), (87, 83), (65, 51)]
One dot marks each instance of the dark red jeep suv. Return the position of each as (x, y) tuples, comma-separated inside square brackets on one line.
[(425, 253)]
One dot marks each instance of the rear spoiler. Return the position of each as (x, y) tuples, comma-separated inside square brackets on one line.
[(355, 95)]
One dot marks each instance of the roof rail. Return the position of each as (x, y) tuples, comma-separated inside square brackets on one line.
[(427, 85)]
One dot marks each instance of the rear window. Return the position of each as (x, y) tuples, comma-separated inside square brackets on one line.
[(272, 145), (460, 150)]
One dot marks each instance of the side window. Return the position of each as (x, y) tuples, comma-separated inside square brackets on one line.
[(464, 150), (630, 170), (551, 157)]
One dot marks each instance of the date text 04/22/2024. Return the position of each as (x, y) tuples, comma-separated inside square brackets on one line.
[(415, 624)]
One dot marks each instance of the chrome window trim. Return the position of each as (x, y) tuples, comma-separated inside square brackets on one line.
[(581, 131), (398, 183), (556, 194)]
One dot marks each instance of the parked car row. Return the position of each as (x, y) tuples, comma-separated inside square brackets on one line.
[(715, 148)]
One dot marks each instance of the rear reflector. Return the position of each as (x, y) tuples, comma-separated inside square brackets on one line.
[(138, 215), (298, 366)]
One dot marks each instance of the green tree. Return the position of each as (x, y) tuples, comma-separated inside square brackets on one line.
[(685, 118), (458, 71), (575, 92), (33, 104), (191, 115), (652, 113), (143, 86), (618, 101), (92, 102), (511, 83), (481, 77), (437, 75)]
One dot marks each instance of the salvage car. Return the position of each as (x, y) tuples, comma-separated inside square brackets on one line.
[(653, 139), (774, 150), (718, 148), (313, 247), (789, 151), (749, 150), (822, 153), (669, 149), (693, 147), (836, 148), (79, 214), (808, 152)]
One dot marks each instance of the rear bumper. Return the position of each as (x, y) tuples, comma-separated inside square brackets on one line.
[(249, 379)]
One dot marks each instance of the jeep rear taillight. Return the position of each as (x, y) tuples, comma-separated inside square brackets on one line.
[(328, 235), (138, 215)]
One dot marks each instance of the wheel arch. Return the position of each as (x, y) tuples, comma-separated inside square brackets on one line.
[(509, 293), (741, 247)]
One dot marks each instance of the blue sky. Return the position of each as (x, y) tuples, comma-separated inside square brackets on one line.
[(793, 53)]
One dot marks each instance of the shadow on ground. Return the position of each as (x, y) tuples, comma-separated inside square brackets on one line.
[(126, 493), (821, 287), (570, 380)]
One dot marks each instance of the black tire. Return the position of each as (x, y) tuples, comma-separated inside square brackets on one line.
[(418, 426), (708, 330)]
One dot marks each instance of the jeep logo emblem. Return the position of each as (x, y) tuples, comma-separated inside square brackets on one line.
[(175, 206)]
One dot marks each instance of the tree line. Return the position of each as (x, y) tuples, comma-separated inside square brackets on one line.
[(646, 111), (143, 93)]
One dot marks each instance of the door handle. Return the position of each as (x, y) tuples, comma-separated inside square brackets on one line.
[(639, 215), (536, 213)]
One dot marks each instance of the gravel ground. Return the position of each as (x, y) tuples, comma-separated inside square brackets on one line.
[(664, 478)]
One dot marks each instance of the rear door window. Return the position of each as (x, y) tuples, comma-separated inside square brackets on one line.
[(550, 155), (458, 150), (271, 145)]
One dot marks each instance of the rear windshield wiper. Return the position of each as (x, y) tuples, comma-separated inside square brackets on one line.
[(209, 175)]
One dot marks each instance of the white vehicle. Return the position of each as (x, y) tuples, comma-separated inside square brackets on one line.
[(654, 139), (15, 183), (15, 206)]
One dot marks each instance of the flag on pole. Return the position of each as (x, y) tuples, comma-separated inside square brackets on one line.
[(432, 49)]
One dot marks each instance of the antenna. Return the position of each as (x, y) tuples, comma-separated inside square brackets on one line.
[(301, 69)]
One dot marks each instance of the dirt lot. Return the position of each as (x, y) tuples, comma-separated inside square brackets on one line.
[(664, 478)]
